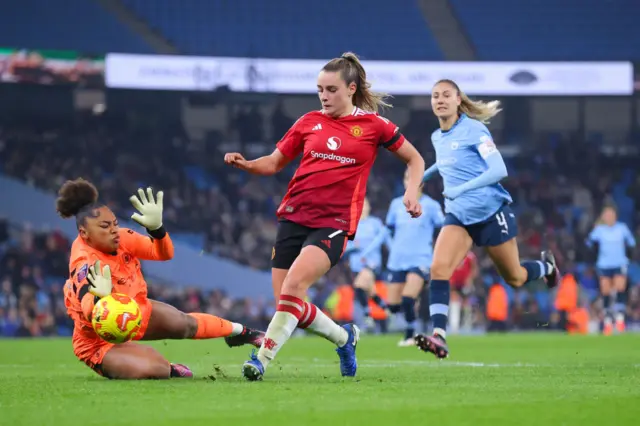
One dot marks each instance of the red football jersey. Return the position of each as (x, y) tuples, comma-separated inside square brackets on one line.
[(463, 271), (328, 189)]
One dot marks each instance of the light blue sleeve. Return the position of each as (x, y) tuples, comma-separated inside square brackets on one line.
[(496, 169), (377, 241), (594, 236), (428, 174), (388, 241), (628, 237)]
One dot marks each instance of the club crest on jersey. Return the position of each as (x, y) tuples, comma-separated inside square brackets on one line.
[(334, 143), (356, 131)]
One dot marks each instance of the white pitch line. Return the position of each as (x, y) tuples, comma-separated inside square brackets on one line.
[(404, 363)]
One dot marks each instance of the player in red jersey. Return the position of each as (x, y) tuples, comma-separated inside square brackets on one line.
[(462, 286), (323, 203)]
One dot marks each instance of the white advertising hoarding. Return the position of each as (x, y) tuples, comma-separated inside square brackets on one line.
[(192, 73)]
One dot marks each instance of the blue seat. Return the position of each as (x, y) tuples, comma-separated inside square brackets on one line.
[(551, 30), (80, 25), (292, 29)]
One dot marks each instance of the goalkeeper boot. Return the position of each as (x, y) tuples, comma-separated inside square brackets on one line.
[(248, 336), (181, 370)]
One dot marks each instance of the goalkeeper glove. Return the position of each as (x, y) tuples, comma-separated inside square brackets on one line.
[(150, 215), (99, 280)]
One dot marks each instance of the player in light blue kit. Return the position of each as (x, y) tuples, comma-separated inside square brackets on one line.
[(365, 260), (410, 257), (476, 205), (611, 240)]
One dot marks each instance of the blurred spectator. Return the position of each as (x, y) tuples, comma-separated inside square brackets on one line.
[(232, 214)]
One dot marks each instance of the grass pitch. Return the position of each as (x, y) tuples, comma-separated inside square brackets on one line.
[(511, 379)]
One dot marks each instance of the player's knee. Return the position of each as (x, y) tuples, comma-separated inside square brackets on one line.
[(441, 270), (295, 284), (182, 326), (293, 287), (362, 283)]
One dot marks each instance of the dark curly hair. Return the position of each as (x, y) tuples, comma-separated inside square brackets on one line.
[(77, 198)]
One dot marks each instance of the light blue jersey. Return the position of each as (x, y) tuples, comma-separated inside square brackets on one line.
[(366, 249), (462, 154), (612, 243), (412, 240)]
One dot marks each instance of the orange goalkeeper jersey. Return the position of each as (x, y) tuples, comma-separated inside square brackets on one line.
[(126, 273)]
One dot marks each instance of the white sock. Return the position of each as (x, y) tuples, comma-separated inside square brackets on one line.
[(440, 332), (323, 326), (237, 329), (455, 310), (280, 328)]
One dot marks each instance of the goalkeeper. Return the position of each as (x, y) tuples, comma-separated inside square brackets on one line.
[(106, 258)]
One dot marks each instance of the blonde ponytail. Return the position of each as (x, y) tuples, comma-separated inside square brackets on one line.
[(478, 110)]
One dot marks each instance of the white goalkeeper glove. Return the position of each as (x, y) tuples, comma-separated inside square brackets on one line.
[(150, 209), (99, 280)]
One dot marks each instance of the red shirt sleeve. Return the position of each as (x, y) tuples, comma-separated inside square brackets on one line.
[(292, 143), (390, 136)]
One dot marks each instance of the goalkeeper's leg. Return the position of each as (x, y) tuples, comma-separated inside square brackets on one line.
[(132, 361), (167, 322)]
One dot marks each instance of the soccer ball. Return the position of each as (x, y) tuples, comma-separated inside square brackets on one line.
[(116, 318)]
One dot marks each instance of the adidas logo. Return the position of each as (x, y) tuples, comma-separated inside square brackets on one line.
[(317, 127), (327, 243)]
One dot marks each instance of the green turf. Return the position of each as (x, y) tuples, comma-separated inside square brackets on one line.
[(538, 379)]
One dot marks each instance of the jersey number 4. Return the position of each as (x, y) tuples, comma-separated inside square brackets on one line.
[(502, 222)]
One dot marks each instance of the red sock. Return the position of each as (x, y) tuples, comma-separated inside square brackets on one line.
[(317, 322), (308, 315), (211, 326)]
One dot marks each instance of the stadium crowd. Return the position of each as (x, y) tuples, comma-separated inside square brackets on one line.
[(234, 215)]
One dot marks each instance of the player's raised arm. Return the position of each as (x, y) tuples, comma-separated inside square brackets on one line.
[(149, 215), (288, 148), (265, 166)]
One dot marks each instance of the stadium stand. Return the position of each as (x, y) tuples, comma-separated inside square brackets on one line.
[(67, 25), (232, 216), (558, 185), (382, 30), (571, 30)]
